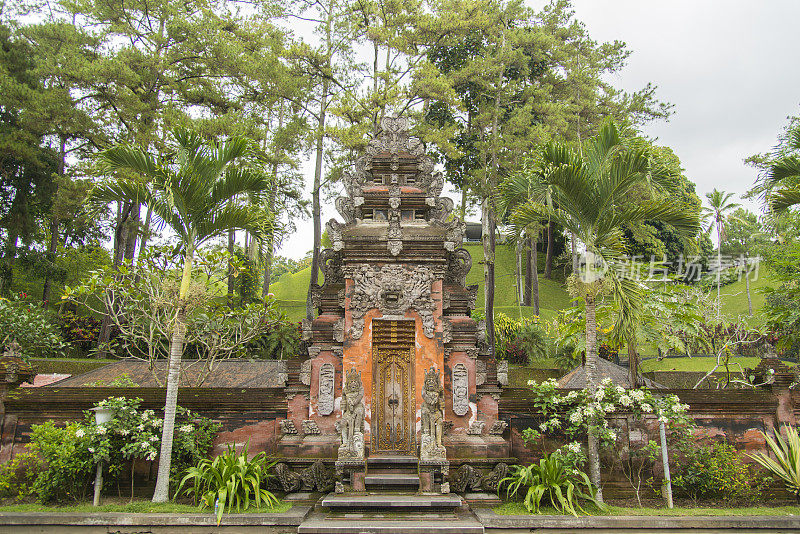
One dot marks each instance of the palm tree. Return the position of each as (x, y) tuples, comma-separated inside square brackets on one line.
[(719, 205), (591, 197), (782, 181), (196, 193)]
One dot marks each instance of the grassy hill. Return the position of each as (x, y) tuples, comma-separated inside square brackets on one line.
[(291, 289)]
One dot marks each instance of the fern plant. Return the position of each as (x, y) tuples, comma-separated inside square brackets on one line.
[(786, 464), (553, 482), (231, 479)]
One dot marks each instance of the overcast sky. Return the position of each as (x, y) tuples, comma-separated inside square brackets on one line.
[(730, 68)]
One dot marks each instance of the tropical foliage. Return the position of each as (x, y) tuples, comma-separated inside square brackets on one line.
[(551, 482), (230, 479), (786, 464), (34, 328)]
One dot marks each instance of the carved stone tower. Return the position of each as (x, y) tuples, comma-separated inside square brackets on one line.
[(393, 306)]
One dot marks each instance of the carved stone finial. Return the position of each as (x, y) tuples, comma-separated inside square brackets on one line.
[(351, 426)]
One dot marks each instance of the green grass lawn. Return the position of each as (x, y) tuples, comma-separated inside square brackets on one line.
[(290, 291), (517, 508), (734, 297), (697, 363), (137, 507)]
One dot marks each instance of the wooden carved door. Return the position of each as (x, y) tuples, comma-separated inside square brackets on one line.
[(394, 408)]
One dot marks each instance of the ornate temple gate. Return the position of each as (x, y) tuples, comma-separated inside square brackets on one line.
[(393, 352)]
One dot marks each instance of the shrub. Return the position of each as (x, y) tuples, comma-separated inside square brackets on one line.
[(80, 330), (717, 472), (15, 475), (32, 326), (786, 464), (231, 479), (553, 481), (67, 465)]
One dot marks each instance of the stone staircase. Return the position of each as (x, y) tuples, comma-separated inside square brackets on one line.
[(391, 503)]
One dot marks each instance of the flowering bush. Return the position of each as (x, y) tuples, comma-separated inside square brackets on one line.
[(30, 325), (80, 330), (65, 458), (573, 412)]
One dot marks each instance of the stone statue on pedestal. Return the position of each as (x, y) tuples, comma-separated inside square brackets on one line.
[(351, 425), (432, 414)]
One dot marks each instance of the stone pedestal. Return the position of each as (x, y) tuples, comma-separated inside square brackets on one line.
[(432, 473), (350, 473)]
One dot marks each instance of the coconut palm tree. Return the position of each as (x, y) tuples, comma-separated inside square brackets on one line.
[(197, 193), (782, 180), (717, 212), (591, 197)]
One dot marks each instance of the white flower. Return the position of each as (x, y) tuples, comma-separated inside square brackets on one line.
[(158, 422), (140, 428), (576, 416), (574, 447), (91, 449), (79, 433), (124, 432), (144, 445), (554, 423), (600, 394), (531, 382), (637, 395), (572, 395), (145, 415), (153, 438), (100, 429), (606, 381), (647, 408), (625, 400), (620, 390), (608, 408), (589, 411), (186, 428), (612, 435), (543, 427), (151, 456), (663, 419)]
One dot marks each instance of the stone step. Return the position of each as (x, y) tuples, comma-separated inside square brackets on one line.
[(392, 479), (383, 501), (386, 460), (399, 526)]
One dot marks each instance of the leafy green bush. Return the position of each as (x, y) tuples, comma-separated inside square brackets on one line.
[(80, 330), (786, 464), (15, 475), (716, 472), (67, 465), (553, 482), (231, 479), (33, 327)]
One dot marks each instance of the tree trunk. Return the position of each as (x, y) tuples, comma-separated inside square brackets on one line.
[(747, 287), (120, 246), (633, 364), (145, 232), (591, 386), (161, 493), (52, 246), (269, 239), (488, 270), (548, 261), (519, 277), (316, 213), (133, 230), (231, 280), (528, 286), (719, 268), (534, 266)]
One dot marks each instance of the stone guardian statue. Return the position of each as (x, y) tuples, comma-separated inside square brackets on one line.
[(432, 415), (351, 425)]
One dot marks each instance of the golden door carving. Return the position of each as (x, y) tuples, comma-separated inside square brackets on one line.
[(394, 386)]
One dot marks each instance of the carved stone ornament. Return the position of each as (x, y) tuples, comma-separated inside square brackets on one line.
[(306, 332), (481, 331), (460, 389), (305, 372), (316, 477), (476, 428), (498, 428), (331, 262), (502, 373), (468, 478), (310, 427), (287, 427), (351, 424), (472, 296), (480, 372), (459, 263), (447, 331), (346, 208), (432, 416), (393, 289), (334, 228), (338, 330), (325, 396)]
